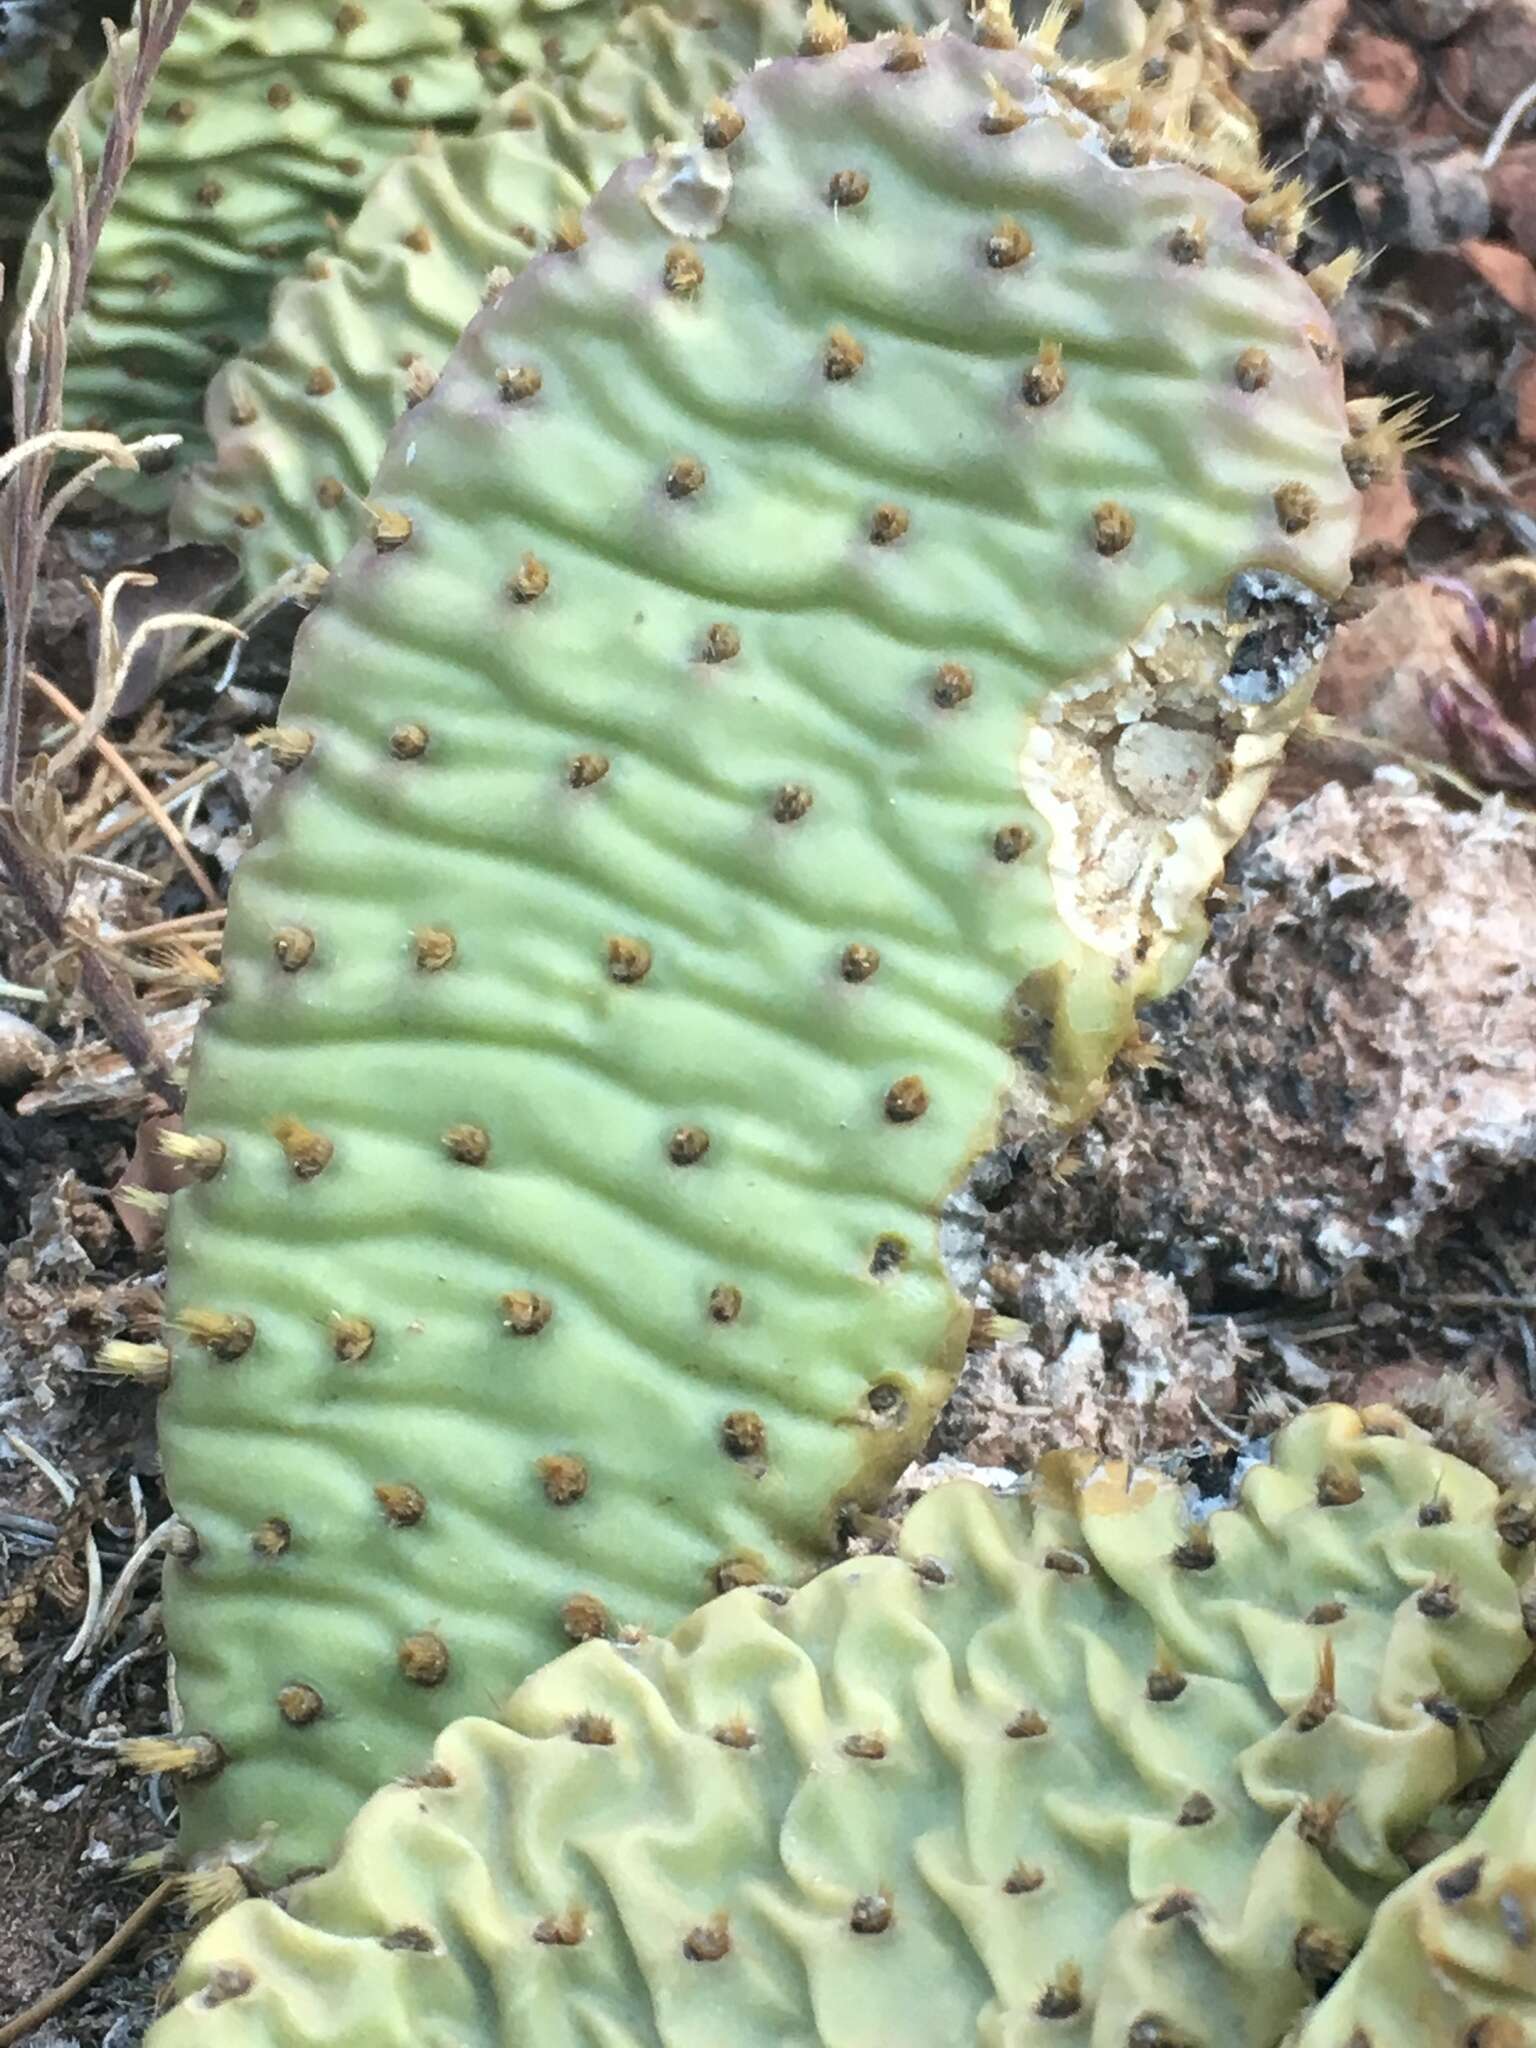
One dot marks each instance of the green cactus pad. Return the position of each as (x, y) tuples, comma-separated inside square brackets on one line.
[(534, 36), (268, 118), (1451, 1956), (1099, 31), (1107, 31), (727, 747), (1068, 1769)]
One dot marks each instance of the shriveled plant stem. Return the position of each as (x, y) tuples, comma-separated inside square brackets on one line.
[(37, 409)]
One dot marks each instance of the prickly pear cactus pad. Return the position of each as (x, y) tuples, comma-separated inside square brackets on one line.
[(1451, 1956), (535, 36), (1097, 30), (299, 422), (1070, 1769), (268, 116), (631, 966)]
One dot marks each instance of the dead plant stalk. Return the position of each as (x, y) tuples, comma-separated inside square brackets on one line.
[(39, 878)]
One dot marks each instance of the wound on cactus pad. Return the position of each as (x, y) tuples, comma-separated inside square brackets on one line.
[(886, 789), (957, 1795)]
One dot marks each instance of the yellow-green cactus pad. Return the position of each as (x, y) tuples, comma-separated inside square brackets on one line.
[(1068, 1769), (1451, 1956), (268, 117), (825, 625)]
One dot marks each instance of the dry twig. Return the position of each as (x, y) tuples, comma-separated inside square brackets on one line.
[(135, 784), (91, 1969)]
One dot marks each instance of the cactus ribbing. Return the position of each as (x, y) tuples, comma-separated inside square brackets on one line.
[(538, 35), (744, 724), (1068, 1769)]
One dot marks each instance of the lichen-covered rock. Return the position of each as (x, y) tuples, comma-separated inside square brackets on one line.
[(269, 118), (1353, 1061), (631, 968), (1451, 1956), (1070, 1768), (1089, 1350)]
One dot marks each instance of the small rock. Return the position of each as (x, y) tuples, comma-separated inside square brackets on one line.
[(1512, 193), (1388, 515), (1381, 670), (1304, 35), (1386, 77), (1506, 271), (1285, 74), (1427, 196), (24, 1050), (1432, 21), (1484, 70)]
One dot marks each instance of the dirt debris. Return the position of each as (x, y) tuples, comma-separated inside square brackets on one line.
[(1086, 1349)]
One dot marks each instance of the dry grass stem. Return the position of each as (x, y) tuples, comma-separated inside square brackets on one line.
[(136, 784), (27, 511)]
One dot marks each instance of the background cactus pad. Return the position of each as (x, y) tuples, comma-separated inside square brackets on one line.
[(269, 119), (1070, 1769), (825, 625)]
